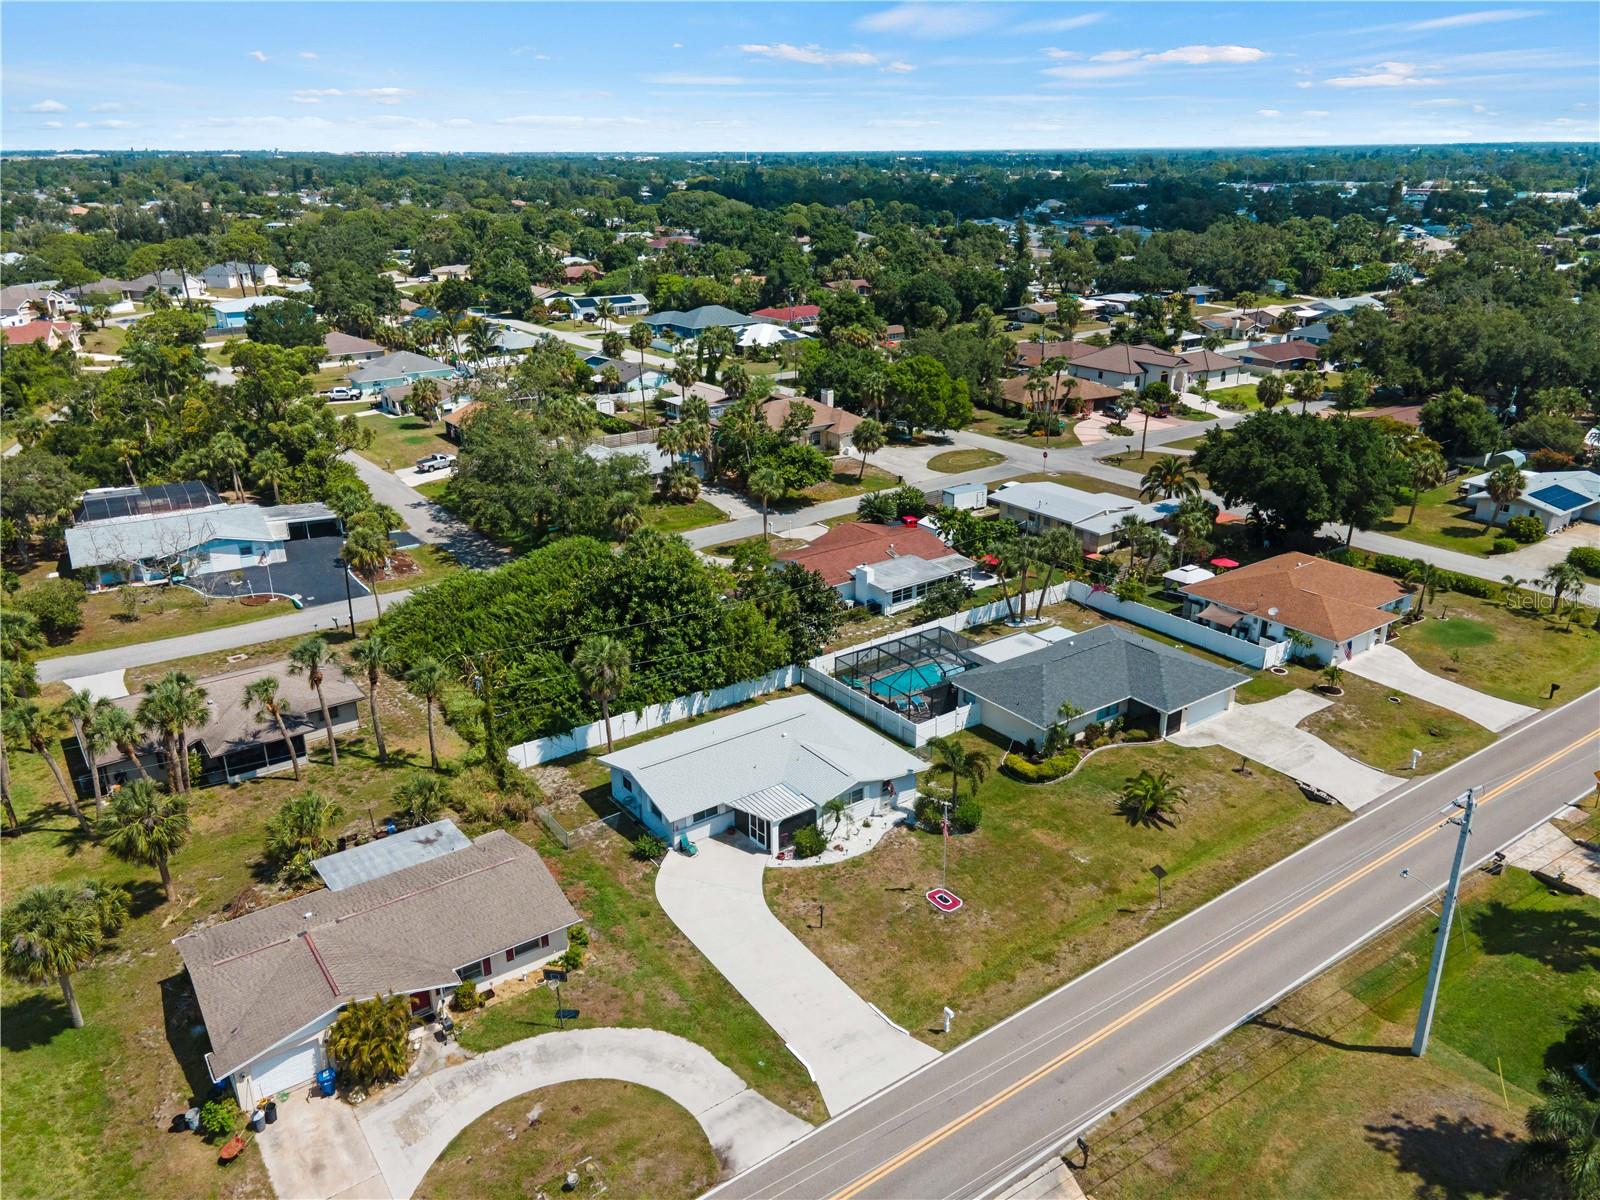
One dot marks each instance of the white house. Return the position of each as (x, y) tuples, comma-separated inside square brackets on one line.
[(1217, 370), (240, 275), (1094, 515), (1136, 367), (765, 772), (885, 567), (1555, 498), (416, 914)]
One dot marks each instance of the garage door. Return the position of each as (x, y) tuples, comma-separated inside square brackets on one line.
[(289, 1069), (1209, 707)]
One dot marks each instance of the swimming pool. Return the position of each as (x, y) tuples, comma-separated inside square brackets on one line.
[(912, 679)]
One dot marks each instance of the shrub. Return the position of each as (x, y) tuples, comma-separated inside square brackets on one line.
[(370, 1042), (1586, 559), (1191, 413), (877, 508), (1117, 429), (571, 959), (1503, 546), (942, 599), (221, 1118), (648, 847), (57, 604), (1526, 530), (909, 501), (1136, 735), (808, 842), (466, 997), (1549, 460), (578, 935), (968, 815), (1471, 585), (1053, 767)]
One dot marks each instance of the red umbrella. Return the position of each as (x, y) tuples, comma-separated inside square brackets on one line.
[(1224, 563)]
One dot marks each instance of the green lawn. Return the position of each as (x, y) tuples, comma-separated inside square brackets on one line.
[(679, 518), (631, 1140), (1318, 1098), (161, 612), (1189, 443), (1515, 654), (1140, 463), (1236, 399), (399, 441), (105, 341), (953, 461), (1072, 479), (1441, 522), (1381, 727), (1054, 882), (848, 480)]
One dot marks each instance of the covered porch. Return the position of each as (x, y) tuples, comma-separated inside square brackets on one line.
[(771, 817)]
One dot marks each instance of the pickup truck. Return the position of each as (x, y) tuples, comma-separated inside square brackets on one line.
[(344, 393), (434, 462)]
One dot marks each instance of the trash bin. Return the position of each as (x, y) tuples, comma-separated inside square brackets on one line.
[(271, 1109), (192, 1120), (325, 1078), (258, 1120)]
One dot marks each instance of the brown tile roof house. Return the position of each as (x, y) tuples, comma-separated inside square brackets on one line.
[(1032, 354), (1123, 359), (337, 344), (1014, 390), (833, 424), (234, 743), (855, 543), (455, 422), (1280, 354), (1325, 599), (269, 975)]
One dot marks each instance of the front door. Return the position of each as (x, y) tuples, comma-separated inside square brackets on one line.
[(753, 827)]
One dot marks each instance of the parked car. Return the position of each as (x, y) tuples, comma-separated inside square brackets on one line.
[(1013, 326), (344, 393), (1118, 411), (434, 462)]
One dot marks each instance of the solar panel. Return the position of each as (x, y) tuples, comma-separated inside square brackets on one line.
[(1560, 498)]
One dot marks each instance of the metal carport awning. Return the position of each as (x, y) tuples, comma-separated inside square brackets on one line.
[(776, 803)]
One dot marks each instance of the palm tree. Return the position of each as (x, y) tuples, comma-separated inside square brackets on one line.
[(298, 833), (374, 655), (962, 763), (1332, 675), (603, 667), (1505, 484), (262, 695), (1563, 1137), (1427, 467), (148, 827), (119, 729), (173, 705), (874, 390), (836, 808), (270, 468), (1168, 476), (1062, 549), (1147, 407), (307, 658), (81, 709), (765, 485), (1561, 578), (481, 340), (1149, 797), (227, 452), (1306, 386), (1426, 579), (606, 315), (639, 338), (33, 726), (366, 551), (422, 797), (869, 437), (52, 930), (684, 376), (371, 1041), (427, 678)]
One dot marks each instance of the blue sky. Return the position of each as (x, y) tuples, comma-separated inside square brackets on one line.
[(785, 76)]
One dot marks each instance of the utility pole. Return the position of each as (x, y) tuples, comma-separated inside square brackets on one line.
[(944, 829), (1447, 911)]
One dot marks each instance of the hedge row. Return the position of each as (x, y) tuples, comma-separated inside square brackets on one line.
[(1053, 767), (1397, 567)]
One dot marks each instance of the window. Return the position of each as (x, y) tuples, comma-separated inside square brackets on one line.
[(527, 948), (627, 784), (705, 814), (476, 970), (856, 796), (1106, 713)]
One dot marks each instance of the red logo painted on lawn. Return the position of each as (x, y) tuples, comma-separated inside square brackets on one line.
[(944, 899)]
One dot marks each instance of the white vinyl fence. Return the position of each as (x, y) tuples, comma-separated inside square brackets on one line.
[(1251, 654), (625, 725)]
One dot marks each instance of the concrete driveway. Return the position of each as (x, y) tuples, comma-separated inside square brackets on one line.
[(1391, 667), (407, 1128), (850, 1050), (1267, 733), (316, 1151)]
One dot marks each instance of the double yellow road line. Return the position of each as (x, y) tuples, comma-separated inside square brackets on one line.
[(891, 1165)]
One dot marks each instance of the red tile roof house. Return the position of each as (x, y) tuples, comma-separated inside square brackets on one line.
[(50, 334), (1281, 356), (885, 567), (1343, 610), (801, 316), (578, 272)]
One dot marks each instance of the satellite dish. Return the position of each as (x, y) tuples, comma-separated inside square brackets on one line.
[(1272, 612)]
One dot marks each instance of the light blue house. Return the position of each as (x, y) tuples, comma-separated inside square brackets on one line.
[(230, 314), (397, 370)]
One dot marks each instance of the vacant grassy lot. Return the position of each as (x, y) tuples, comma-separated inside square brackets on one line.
[(1319, 1096), (1441, 522), (1141, 463), (953, 461), (1072, 479), (159, 612), (1054, 882), (1515, 654), (670, 517), (1380, 727), (399, 441), (630, 1140), (848, 480), (105, 341)]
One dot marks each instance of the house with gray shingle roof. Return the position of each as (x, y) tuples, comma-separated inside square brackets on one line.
[(414, 923), (1103, 673)]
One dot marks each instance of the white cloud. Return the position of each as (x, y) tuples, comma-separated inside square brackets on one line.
[(258, 55), (683, 80), (1305, 83), (1116, 56), (1482, 16), (899, 68), (106, 106), (384, 95), (55, 125), (1202, 55), (48, 106), (812, 54), (314, 95), (1053, 52), (1062, 24), (459, 122), (1268, 112), (1315, 112), (1385, 74), (931, 22), (566, 120), (899, 123), (677, 45), (113, 124)]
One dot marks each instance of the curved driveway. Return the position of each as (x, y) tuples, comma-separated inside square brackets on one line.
[(407, 1131)]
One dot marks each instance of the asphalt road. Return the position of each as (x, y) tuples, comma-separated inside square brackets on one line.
[(985, 1113)]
